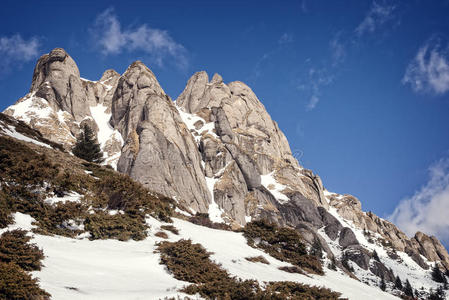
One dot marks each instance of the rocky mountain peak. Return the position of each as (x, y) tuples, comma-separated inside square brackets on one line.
[(108, 75), (214, 150)]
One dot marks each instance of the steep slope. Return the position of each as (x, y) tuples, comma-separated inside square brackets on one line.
[(216, 150)]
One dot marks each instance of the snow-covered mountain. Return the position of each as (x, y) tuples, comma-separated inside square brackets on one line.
[(215, 151)]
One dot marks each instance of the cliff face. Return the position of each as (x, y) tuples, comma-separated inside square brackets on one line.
[(214, 150)]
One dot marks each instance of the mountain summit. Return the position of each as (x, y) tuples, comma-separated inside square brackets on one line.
[(216, 151)]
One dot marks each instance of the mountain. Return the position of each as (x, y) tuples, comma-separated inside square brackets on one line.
[(225, 163)]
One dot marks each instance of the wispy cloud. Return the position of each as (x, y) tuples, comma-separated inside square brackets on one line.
[(16, 50), (110, 38), (377, 16), (312, 84), (285, 38), (429, 70), (427, 209), (313, 101), (337, 48)]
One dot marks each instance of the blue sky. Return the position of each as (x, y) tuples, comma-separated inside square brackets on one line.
[(360, 88)]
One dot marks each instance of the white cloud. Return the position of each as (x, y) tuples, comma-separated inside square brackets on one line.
[(429, 70), (427, 210), (158, 44), (313, 101), (15, 49), (376, 17)]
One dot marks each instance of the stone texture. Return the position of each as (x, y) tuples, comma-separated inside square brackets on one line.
[(347, 238), (59, 101), (159, 150)]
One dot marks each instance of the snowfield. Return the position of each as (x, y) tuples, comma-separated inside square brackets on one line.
[(110, 269)]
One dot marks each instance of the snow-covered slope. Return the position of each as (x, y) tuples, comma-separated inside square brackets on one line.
[(110, 269)]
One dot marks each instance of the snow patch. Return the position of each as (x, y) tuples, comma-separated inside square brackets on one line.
[(215, 211), (29, 108), (191, 119), (275, 188), (11, 131), (70, 197)]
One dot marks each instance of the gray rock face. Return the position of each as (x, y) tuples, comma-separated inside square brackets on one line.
[(159, 150), (57, 79), (347, 238), (381, 271), (60, 102), (359, 255), (333, 226)]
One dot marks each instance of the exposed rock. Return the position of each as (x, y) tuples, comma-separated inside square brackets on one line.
[(359, 255), (347, 238), (381, 271), (431, 248), (159, 150), (416, 257), (300, 209), (333, 226), (60, 102)]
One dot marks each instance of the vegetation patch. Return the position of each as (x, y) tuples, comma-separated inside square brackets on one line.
[(161, 234), (17, 257), (202, 219), (259, 258), (14, 248), (291, 269), (170, 228), (122, 227), (28, 177), (281, 243), (16, 284), (191, 262)]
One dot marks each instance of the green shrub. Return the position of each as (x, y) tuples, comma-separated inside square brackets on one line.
[(282, 243), (293, 290), (202, 219), (191, 262), (123, 227), (16, 284), (14, 248), (5, 211)]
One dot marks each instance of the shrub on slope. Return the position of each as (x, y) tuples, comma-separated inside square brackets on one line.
[(17, 256), (191, 262), (14, 247), (30, 174), (282, 243)]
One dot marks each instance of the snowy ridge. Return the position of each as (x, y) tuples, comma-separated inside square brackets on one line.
[(404, 266)]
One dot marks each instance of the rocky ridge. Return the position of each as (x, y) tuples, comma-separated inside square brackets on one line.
[(215, 150)]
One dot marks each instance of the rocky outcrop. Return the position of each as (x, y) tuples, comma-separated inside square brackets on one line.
[(60, 102), (159, 150)]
